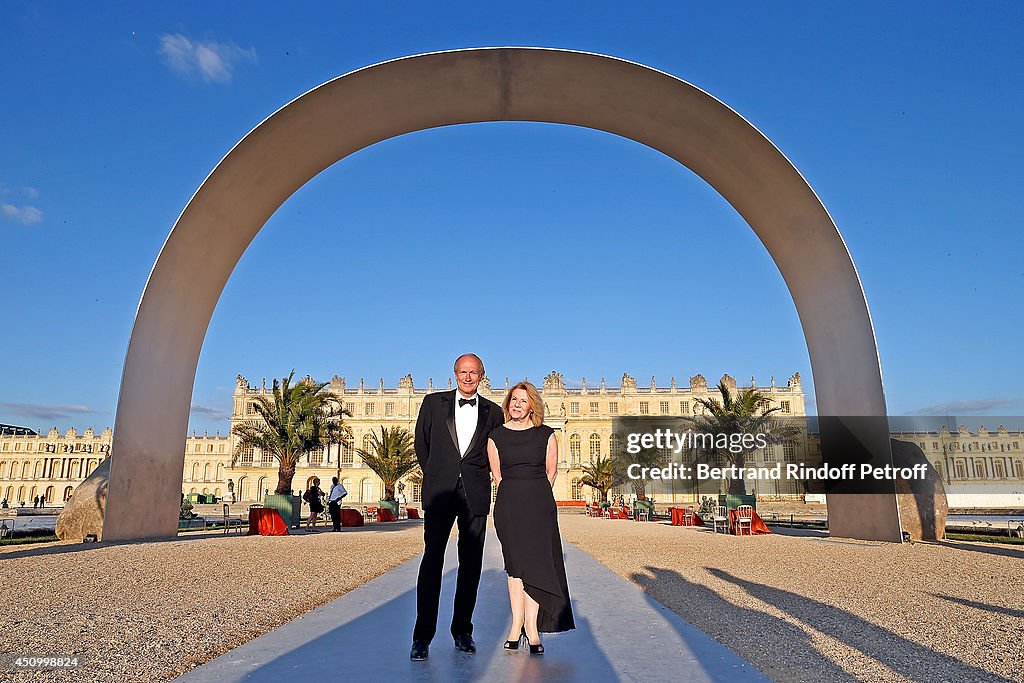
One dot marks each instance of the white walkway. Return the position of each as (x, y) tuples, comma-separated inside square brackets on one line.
[(365, 635)]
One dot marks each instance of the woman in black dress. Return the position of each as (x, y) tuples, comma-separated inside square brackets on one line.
[(523, 455), (314, 496)]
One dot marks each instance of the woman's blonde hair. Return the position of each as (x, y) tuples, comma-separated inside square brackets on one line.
[(532, 396)]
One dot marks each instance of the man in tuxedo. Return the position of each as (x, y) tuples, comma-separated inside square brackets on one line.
[(451, 440)]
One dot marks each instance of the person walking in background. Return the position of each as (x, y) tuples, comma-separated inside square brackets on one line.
[(314, 496), (334, 502)]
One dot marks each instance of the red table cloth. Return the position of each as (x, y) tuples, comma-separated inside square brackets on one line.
[(757, 525), (679, 515), (385, 515), (618, 513), (350, 517), (413, 513), (266, 522)]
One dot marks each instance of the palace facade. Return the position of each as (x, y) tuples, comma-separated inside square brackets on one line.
[(980, 469)]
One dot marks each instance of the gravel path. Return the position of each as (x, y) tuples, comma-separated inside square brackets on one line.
[(811, 608), (151, 611)]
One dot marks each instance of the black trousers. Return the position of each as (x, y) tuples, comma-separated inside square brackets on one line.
[(437, 527), (335, 509)]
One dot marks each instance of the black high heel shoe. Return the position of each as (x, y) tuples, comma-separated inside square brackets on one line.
[(537, 649), (514, 644)]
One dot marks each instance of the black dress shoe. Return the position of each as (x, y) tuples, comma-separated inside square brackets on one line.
[(464, 643), (419, 651)]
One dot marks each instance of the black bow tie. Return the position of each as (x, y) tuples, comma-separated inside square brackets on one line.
[(470, 401)]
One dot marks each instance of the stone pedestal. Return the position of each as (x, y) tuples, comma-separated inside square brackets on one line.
[(83, 514), (922, 502)]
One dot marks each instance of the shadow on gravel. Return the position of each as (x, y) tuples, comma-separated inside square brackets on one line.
[(741, 629), (1008, 611), (989, 549), (196, 536), (905, 657)]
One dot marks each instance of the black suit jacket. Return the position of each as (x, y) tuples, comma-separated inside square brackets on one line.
[(439, 457)]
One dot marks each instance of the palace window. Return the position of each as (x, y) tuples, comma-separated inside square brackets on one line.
[(789, 451), (367, 443), (250, 408), (574, 450), (246, 456), (266, 459), (577, 489), (684, 407), (935, 445), (613, 408), (1016, 445), (574, 407), (221, 449), (997, 470), (663, 407), (767, 457), (1018, 468), (961, 470), (784, 407), (645, 407), (389, 409), (595, 446), (595, 408), (194, 449), (417, 493), (615, 445), (370, 408), (17, 446), (980, 470), (347, 453), (316, 458)]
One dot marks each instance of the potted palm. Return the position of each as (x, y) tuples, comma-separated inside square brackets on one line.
[(390, 456), (748, 411), (300, 418), (600, 476)]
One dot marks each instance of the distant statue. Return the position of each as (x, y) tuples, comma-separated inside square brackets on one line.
[(186, 509)]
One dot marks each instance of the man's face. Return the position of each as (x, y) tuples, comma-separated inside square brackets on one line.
[(468, 373)]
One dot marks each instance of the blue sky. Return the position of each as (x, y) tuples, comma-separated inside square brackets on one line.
[(588, 254)]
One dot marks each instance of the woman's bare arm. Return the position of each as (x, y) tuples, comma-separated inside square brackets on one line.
[(551, 462), (492, 458)]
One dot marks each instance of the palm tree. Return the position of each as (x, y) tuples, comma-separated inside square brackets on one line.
[(745, 413), (599, 475), (302, 418), (390, 456)]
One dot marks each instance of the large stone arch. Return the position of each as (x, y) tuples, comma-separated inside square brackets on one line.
[(415, 93)]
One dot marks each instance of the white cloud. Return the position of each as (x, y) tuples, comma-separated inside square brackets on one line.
[(208, 412), (46, 412), (26, 215), (213, 62), (30, 192), (977, 406)]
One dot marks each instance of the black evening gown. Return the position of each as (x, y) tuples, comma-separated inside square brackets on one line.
[(526, 520)]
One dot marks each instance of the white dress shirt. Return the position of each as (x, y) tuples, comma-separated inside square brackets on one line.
[(337, 493), (465, 421)]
